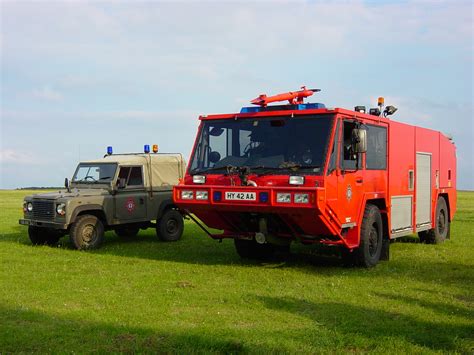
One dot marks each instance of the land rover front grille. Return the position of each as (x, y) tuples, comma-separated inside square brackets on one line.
[(43, 210)]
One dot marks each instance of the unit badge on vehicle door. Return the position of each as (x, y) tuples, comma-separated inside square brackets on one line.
[(130, 205)]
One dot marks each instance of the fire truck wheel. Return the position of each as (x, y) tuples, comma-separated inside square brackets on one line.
[(126, 232), (43, 236), (169, 227), (442, 226), (250, 249), (87, 232), (368, 253)]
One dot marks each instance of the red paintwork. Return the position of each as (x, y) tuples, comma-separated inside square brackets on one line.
[(293, 97), (322, 219)]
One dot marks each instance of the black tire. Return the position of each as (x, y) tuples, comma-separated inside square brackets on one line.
[(126, 232), (250, 249), (43, 236), (371, 238), (87, 232), (442, 226), (170, 226)]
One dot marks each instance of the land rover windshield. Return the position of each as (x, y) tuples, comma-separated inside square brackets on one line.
[(271, 145), (94, 173)]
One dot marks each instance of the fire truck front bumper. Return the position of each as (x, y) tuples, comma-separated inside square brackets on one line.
[(293, 212)]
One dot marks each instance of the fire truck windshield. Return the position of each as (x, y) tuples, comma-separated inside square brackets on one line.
[(271, 145)]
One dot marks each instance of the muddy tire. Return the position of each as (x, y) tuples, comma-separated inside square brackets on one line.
[(170, 226), (43, 236), (442, 226), (126, 232), (250, 249), (371, 238), (87, 232)]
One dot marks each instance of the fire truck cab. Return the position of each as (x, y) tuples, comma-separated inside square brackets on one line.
[(271, 175)]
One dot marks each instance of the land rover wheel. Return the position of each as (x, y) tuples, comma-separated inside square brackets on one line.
[(441, 231), (368, 253), (126, 232), (250, 249), (169, 227), (43, 236), (87, 232)]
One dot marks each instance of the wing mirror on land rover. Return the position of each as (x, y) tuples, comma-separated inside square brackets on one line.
[(359, 140), (121, 182), (66, 185)]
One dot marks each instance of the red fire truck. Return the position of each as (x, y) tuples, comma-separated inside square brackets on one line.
[(350, 179)]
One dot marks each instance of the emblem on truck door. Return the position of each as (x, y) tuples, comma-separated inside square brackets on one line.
[(130, 205), (349, 192)]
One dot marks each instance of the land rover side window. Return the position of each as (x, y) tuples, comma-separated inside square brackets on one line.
[(92, 173), (376, 156), (348, 157), (131, 176)]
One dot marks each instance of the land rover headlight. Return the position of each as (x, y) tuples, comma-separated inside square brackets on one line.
[(29, 207), (301, 198), (283, 197), (187, 195), (202, 195), (61, 209)]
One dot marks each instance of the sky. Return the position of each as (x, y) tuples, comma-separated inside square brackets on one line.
[(77, 77)]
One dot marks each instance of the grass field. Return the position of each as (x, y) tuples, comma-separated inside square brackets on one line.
[(196, 295)]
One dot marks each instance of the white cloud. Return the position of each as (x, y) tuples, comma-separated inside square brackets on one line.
[(47, 93), (10, 156)]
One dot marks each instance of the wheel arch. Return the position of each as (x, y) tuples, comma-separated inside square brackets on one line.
[(165, 206), (95, 210)]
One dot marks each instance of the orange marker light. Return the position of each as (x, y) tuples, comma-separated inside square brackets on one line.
[(381, 101), (155, 148)]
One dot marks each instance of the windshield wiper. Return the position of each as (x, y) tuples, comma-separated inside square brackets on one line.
[(215, 168), (105, 177)]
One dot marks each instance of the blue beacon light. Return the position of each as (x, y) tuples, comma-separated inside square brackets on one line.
[(109, 150), (146, 148)]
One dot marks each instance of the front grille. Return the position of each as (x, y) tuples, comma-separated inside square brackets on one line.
[(43, 210)]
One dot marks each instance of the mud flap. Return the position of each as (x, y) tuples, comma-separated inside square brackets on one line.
[(385, 252)]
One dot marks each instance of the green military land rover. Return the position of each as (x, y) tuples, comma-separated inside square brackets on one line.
[(120, 192)]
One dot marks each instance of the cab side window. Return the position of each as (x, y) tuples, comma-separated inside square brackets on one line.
[(376, 156), (131, 176), (348, 157)]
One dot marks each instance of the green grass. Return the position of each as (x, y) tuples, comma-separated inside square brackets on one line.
[(196, 295)]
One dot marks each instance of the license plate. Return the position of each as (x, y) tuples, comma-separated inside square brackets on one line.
[(241, 196)]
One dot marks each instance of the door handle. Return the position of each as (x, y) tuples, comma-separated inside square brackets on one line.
[(359, 180)]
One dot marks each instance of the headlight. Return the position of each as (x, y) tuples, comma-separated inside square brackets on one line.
[(61, 209), (301, 198), (187, 195), (283, 197), (202, 195), (199, 179), (296, 180), (29, 207)]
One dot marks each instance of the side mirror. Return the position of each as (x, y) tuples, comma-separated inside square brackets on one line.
[(66, 185), (214, 157), (359, 140), (121, 182)]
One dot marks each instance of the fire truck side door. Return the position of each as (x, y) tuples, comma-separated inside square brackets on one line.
[(350, 179)]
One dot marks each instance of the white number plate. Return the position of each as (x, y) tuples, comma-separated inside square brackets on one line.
[(241, 196)]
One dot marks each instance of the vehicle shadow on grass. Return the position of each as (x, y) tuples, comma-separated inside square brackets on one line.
[(25, 330), (377, 326)]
